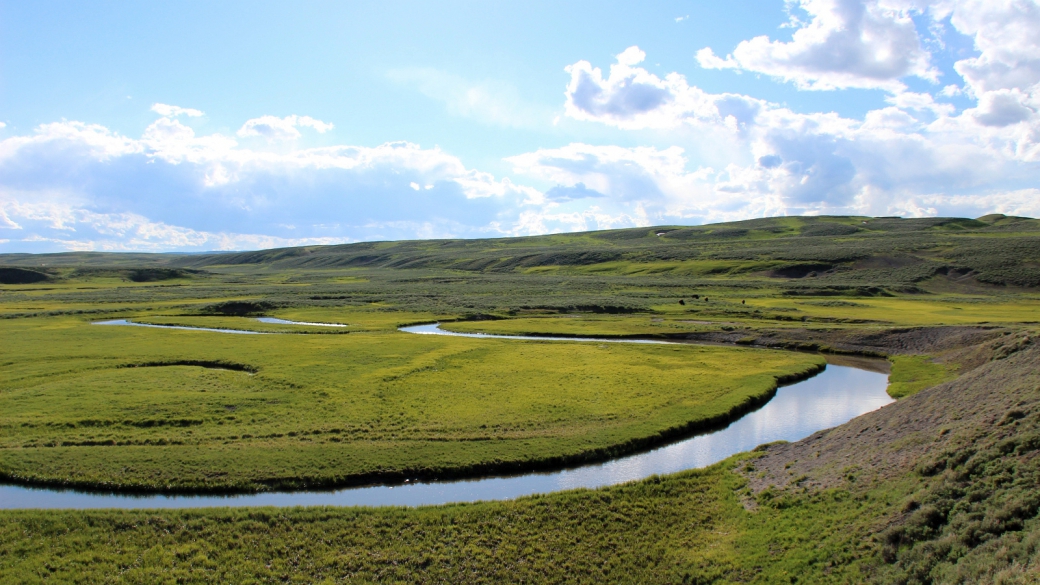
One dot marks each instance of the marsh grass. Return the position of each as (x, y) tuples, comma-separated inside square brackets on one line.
[(110, 406), (686, 528), (913, 373), (156, 409)]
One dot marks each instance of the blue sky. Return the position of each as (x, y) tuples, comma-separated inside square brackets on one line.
[(200, 126)]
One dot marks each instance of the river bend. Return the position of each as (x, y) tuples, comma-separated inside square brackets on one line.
[(833, 397)]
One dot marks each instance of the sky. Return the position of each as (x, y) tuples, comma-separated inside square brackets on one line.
[(198, 126)]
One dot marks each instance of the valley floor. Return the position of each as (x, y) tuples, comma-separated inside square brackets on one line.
[(938, 487)]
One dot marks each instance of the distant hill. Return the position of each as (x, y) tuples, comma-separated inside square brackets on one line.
[(992, 250)]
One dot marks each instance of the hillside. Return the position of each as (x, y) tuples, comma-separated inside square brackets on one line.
[(833, 250)]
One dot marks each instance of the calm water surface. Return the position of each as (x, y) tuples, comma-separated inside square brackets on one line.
[(284, 322), (831, 398), (132, 324)]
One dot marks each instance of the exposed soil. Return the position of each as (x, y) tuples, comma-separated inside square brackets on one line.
[(209, 364), (916, 340), (897, 438)]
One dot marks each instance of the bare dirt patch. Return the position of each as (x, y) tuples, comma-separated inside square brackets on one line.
[(897, 438), (915, 340)]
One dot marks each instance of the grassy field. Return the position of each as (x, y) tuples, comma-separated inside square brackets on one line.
[(147, 408), (948, 495), (912, 373), (688, 528), (675, 319), (696, 527)]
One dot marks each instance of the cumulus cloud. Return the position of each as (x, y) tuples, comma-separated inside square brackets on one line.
[(754, 157), (6, 222), (631, 97), (552, 221), (876, 44), (1006, 34), (625, 174), (174, 111), (1004, 107), (276, 129), (72, 185), (845, 43)]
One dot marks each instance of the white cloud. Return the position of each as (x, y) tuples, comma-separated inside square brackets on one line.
[(914, 156), (845, 43), (548, 221), (74, 185), (908, 100), (276, 129), (85, 230), (1004, 107), (638, 186), (1006, 34), (6, 222), (799, 167), (631, 97), (174, 111), (624, 174), (1021, 202)]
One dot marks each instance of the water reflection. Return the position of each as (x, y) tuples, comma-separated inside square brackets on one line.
[(834, 397), (185, 328), (277, 321), (435, 329), (272, 320)]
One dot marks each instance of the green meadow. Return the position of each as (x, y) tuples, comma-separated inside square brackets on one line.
[(936, 488), (755, 313), (146, 408), (688, 528)]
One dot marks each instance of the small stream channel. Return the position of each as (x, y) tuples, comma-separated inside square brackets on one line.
[(833, 397)]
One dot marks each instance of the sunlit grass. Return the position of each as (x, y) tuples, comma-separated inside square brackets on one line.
[(322, 409), (944, 310), (913, 373), (690, 527)]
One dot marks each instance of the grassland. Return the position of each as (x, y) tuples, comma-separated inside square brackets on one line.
[(142, 408), (687, 528), (913, 373), (962, 510), (936, 488), (675, 320)]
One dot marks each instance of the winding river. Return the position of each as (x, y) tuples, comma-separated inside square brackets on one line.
[(833, 397)]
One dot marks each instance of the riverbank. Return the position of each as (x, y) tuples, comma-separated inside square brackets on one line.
[(742, 520), (831, 398), (329, 411)]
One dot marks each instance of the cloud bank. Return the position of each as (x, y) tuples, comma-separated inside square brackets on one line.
[(919, 155), (72, 185)]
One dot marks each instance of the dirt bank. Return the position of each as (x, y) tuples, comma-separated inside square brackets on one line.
[(898, 437), (885, 342)]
